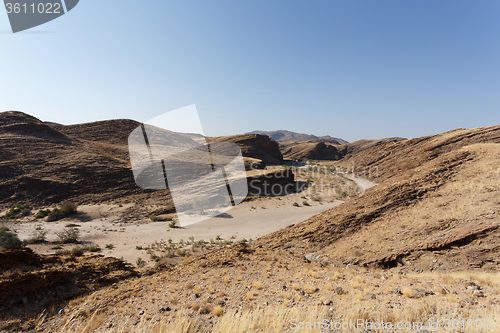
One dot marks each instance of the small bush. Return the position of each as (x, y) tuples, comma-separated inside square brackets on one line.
[(9, 239), (68, 208), (37, 237), (77, 251), (173, 224), (42, 213), (305, 203), (140, 262), (295, 204), (69, 235), (18, 211), (155, 218), (200, 203), (316, 198), (93, 248), (110, 246)]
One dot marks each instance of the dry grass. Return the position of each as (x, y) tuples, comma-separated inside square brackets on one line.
[(217, 311), (257, 285), (280, 319), (408, 292)]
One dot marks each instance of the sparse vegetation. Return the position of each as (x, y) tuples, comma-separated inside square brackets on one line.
[(67, 208), (69, 235), (18, 211), (140, 262), (8, 238), (157, 218), (38, 236)]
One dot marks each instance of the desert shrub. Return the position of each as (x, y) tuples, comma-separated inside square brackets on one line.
[(316, 198), (309, 180), (200, 204), (140, 262), (18, 211), (42, 213), (173, 224), (295, 204), (110, 246), (68, 207), (37, 237), (183, 253), (69, 235), (155, 218), (305, 203), (9, 239), (77, 251), (92, 248)]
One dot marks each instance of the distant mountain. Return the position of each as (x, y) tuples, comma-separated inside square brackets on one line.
[(283, 135), (324, 150)]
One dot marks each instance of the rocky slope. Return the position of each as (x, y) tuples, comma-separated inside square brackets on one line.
[(391, 158), (44, 163), (324, 150), (435, 207), (37, 282), (255, 146)]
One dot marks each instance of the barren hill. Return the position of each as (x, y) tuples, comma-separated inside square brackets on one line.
[(283, 135), (255, 146), (323, 150), (437, 196), (394, 157), (43, 163)]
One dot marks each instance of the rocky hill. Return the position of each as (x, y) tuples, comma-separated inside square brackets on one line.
[(393, 157), (324, 150), (255, 146), (436, 203), (43, 163), (283, 135)]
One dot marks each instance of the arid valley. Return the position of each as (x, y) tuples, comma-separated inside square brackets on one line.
[(395, 230)]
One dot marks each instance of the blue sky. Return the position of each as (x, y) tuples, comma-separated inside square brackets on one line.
[(352, 69)]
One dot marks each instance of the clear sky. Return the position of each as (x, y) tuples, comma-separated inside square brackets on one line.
[(347, 68)]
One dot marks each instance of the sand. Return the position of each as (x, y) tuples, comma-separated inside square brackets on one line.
[(107, 225)]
